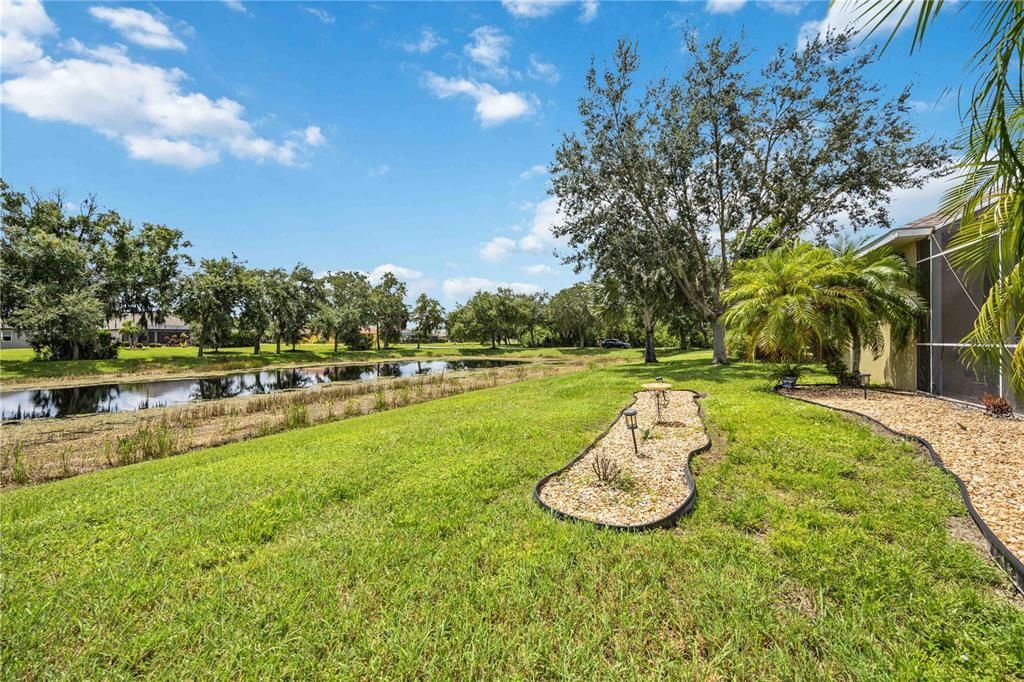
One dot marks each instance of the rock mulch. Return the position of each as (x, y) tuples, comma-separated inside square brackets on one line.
[(986, 452), (651, 485)]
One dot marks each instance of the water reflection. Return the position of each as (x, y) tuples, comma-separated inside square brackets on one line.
[(63, 402)]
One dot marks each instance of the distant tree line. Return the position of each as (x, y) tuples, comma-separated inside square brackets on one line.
[(67, 274)]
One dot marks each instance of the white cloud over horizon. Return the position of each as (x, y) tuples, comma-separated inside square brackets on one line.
[(534, 171), (538, 269), (144, 107), (461, 288), (537, 9), (493, 107)]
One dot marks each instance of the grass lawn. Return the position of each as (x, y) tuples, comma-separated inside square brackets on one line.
[(18, 366), (405, 545)]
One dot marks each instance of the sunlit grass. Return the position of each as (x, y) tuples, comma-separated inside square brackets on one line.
[(406, 545)]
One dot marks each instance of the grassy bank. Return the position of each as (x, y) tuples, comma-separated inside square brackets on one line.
[(17, 366), (405, 544)]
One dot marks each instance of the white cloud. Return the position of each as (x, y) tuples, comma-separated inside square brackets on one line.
[(844, 15), (144, 107), (535, 9), (539, 70), (22, 25), (492, 107), (490, 49), (402, 273), (497, 249), (539, 269), (906, 205), (171, 152), (141, 28), (532, 172), (323, 15), (427, 42), (313, 136), (784, 6), (725, 6), (588, 11), (459, 288), (378, 171), (545, 216), (416, 282), (236, 6)]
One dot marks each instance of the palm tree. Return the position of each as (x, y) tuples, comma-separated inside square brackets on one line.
[(806, 298), (786, 301), (989, 199), (885, 284)]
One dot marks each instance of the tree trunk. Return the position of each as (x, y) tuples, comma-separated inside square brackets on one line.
[(335, 342), (378, 336), (493, 344), (854, 350), (583, 339), (74, 351), (533, 340), (278, 339), (718, 342), (200, 349), (418, 343), (256, 346), (649, 355)]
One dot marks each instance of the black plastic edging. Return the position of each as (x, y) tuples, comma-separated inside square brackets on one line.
[(666, 521), (1001, 554)]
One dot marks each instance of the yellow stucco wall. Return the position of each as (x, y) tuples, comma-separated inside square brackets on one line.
[(895, 368)]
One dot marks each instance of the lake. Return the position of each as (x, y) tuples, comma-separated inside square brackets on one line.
[(127, 397)]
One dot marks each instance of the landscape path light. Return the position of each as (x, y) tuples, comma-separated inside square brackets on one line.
[(630, 414), (864, 379)]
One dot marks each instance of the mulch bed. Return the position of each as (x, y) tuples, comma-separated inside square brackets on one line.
[(652, 484), (985, 452)]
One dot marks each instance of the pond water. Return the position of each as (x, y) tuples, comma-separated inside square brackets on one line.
[(64, 402)]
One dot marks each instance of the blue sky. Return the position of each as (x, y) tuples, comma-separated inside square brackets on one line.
[(365, 135)]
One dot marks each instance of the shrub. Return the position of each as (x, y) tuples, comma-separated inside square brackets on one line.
[(150, 441), (785, 369), (606, 470), (380, 400), (296, 416), (997, 405)]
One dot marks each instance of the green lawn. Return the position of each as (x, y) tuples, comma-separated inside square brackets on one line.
[(17, 365), (406, 545)]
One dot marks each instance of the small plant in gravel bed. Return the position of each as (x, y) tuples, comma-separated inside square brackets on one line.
[(997, 405), (606, 470), (624, 482)]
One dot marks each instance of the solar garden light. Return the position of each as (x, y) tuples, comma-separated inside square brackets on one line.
[(630, 414), (864, 379)]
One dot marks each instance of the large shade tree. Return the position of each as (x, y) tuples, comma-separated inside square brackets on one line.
[(702, 168), (428, 315)]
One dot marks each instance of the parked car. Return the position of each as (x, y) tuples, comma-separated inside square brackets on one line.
[(613, 343)]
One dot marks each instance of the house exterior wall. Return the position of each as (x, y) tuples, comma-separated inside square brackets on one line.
[(932, 362), (896, 368)]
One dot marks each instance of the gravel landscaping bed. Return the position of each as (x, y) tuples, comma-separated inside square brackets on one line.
[(986, 452), (651, 485)]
